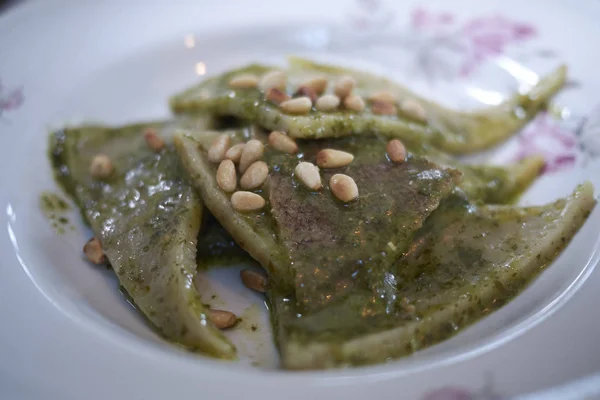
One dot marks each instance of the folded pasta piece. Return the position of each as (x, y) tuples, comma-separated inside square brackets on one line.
[(147, 218), (388, 194), (485, 183), (463, 263), (358, 232), (397, 113), (330, 244)]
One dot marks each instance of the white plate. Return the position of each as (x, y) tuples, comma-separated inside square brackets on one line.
[(66, 333)]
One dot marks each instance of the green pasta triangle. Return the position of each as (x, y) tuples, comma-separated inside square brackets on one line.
[(448, 130), (147, 217), (464, 262)]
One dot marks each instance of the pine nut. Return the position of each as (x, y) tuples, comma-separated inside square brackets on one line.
[(93, 251), (354, 103), (282, 142), (101, 166), (308, 174), (328, 102), (276, 96), (273, 79), (344, 86), (254, 280), (226, 176), (405, 304), (222, 319), (396, 151), (218, 148), (299, 105), (308, 92), (318, 84), (255, 175), (384, 108), (330, 158), (154, 141), (383, 97), (247, 201), (243, 81), (343, 187), (413, 109), (253, 151), (235, 152), (409, 308)]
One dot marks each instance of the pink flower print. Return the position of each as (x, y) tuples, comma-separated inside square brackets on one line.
[(488, 36), (11, 100), (473, 41), (422, 19), (507, 30), (444, 46), (546, 136)]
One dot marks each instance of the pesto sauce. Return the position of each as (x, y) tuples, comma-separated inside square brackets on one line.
[(390, 285), (147, 218), (216, 248), (448, 130), (479, 181), (465, 262), (336, 248), (56, 210)]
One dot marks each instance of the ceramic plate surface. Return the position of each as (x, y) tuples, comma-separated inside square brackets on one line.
[(67, 333)]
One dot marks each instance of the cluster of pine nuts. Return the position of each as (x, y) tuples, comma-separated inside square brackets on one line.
[(385, 103), (311, 93), (253, 171), (248, 157), (342, 186)]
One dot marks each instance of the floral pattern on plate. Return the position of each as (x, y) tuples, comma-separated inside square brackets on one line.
[(445, 47), (433, 34)]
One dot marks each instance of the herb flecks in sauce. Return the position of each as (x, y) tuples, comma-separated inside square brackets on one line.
[(254, 231), (147, 218), (334, 247), (449, 130), (464, 262), (415, 257), (216, 248), (56, 211)]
